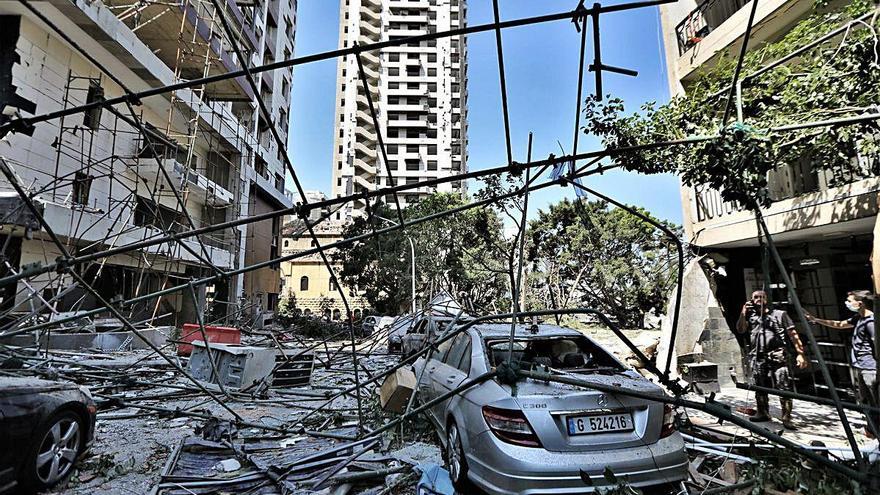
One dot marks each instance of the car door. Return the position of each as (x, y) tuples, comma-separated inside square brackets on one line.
[(415, 338), (427, 385), (449, 373)]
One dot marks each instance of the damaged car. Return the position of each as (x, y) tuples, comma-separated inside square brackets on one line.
[(45, 426), (545, 437)]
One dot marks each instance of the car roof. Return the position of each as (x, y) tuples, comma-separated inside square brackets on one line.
[(490, 330)]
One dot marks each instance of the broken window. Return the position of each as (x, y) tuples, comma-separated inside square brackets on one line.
[(82, 185), (92, 118), (563, 353)]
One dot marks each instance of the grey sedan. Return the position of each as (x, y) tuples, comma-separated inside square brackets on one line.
[(45, 426), (546, 437)]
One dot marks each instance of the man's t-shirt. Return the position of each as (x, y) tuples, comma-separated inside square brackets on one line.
[(862, 354), (769, 333)]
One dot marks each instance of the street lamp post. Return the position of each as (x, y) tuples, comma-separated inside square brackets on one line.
[(412, 248)]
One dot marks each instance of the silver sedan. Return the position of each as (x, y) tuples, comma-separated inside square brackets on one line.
[(547, 437)]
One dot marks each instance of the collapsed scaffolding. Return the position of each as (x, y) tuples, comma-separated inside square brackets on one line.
[(568, 170)]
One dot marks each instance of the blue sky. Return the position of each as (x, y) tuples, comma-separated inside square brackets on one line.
[(541, 68)]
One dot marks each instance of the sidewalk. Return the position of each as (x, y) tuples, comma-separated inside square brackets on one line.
[(815, 422)]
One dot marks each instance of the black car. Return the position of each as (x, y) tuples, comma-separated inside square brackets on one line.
[(45, 426)]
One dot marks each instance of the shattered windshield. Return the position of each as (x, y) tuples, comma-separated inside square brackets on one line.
[(560, 353)]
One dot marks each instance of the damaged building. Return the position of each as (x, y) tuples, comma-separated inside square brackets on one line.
[(113, 176), (145, 186), (823, 221)]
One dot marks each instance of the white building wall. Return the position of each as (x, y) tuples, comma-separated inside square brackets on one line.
[(51, 72)]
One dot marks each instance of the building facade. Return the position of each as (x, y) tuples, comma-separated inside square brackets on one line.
[(825, 230), (188, 159), (420, 94), (306, 280)]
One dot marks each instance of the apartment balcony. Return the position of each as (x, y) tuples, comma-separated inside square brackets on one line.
[(371, 59), (371, 15), (365, 119), (374, 32), (703, 20), (68, 223), (367, 151), (404, 78), (198, 186), (406, 4), (370, 72), (368, 37), (406, 107), (358, 163), (421, 190), (181, 34), (367, 134), (423, 19), (407, 32), (717, 26), (408, 123), (806, 203), (363, 182), (403, 91)]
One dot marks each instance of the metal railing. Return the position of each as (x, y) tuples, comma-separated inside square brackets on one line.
[(785, 182), (703, 20)]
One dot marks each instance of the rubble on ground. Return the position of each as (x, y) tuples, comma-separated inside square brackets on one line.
[(306, 420)]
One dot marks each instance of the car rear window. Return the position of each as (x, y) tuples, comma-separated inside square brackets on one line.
[(563, 353)]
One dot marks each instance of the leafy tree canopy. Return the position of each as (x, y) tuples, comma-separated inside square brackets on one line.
[(835, 79), (585, 254), (451, 255)]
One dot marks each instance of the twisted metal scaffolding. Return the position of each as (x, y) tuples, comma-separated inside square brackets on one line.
[(567, 170)]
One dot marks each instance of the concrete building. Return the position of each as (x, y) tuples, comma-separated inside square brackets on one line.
[(824, 230), (104, 181), (307, 279), (419, 91)]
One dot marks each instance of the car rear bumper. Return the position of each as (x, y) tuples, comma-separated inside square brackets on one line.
[(504, 469)]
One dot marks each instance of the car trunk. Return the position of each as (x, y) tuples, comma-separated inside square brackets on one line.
[(622, 421)]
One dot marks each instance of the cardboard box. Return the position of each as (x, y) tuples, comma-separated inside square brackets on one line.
[(395, 392)]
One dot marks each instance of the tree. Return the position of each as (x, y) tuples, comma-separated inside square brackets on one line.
[(287, 309), (833, 80), (584, 253), (448, 256)]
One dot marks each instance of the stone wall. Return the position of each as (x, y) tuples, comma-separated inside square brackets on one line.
[(701, 327)]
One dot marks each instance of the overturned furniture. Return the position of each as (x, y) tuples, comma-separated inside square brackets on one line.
[(293, 368), (238, 366)]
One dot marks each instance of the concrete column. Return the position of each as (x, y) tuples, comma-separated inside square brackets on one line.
[(701, 328), (875, 252)]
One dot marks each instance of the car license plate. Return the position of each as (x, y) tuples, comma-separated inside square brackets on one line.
[(600, 423)]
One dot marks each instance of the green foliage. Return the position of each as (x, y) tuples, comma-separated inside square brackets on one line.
[(317, 328), (448, 255), (833, 80), (584, 253), (787, 474), (287, 309)]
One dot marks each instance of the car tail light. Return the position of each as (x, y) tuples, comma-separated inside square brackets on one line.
[(510, 426), (668, 421)]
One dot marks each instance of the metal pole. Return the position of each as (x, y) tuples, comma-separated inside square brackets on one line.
[(412, 248)]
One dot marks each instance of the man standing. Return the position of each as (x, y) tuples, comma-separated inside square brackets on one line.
[(771, 335), (863, 353)]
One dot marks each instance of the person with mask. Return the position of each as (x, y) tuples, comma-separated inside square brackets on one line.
[(772, 337), (863, 351)]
